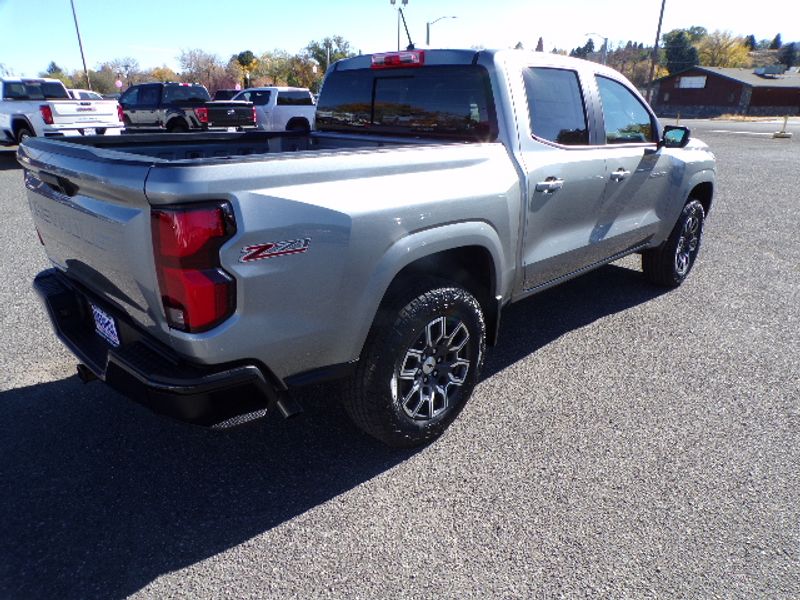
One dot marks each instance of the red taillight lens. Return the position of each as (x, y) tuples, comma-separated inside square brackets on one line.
[(47, 114), (202, 114), (197, 294), (390, 60), (120, 114)]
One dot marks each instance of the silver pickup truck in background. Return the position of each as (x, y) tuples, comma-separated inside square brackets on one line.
[(210, 275)]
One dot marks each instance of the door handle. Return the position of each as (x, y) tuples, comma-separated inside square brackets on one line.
[(620, 174), (550, 185)]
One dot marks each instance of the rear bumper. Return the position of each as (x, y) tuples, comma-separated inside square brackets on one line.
[(144, 370)]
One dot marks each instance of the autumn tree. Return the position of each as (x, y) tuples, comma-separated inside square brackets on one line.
[(162, 73), (722, 49), (274, 67)]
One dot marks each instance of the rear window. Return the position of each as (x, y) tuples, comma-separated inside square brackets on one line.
[(257, 97), (185, 93), (453, 102), (34, 90), (295, 99)]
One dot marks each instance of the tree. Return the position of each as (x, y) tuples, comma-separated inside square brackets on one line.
[(4, 71), (721, 49), (750, 42), (679, 52), (53, 71), (776, 43), (584, 51), (248, 63), (696, 33), (328, 51), (540, 45), (162, 73), (788, 54), (201, 67)]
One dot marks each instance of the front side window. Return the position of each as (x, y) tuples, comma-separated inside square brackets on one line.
[(556, 106), (626, 119)]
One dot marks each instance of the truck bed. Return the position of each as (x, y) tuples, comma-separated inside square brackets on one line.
[(160, 148)]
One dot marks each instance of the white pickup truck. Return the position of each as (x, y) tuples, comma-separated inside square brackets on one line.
[(44, 108), (281, 108)]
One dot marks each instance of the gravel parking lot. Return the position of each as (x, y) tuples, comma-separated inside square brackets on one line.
[(624, 443)]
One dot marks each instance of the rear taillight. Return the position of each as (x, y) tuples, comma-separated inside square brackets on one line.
[(197, 294), (47, 114), (120, 114), (202, 114)]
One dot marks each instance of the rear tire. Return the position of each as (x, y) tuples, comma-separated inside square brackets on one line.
[(669, 264), (24, 133), (298, 125), (177, 126), (419, 366)]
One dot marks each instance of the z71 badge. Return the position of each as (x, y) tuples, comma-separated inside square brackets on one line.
[(274, 249)]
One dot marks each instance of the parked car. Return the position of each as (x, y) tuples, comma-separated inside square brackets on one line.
[(213, 275), (78, 94), (43, 107), (181, 107), (281, 108), (225, 94)]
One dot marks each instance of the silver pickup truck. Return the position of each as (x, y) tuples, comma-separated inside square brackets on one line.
[(213, 274)]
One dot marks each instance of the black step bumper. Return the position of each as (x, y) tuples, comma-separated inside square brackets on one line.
[(145, 370)]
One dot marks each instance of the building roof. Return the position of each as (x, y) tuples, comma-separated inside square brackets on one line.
[(747, 76)]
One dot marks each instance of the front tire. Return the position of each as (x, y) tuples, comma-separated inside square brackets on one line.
[(420, 364), (669, 264)]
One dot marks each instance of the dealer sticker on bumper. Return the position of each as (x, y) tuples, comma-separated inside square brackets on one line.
[(105, 326)]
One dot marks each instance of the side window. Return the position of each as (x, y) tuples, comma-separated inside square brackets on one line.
[(626, 120), (261, 98), (130, 97), (149, 95), (295, 99), (556, 106)]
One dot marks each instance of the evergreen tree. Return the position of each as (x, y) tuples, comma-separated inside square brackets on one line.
[(680, 52), (750, 42), (788, 55), (776, 43)]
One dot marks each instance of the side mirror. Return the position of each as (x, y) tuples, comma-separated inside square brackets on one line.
[(675, 137)]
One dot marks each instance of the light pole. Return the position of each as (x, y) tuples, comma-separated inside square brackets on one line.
[(604, 51), (80, 44), (404, 3), (428, 28)]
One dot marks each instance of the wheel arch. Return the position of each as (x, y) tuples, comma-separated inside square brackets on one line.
[(703, 192), (469, 254), (298, 123)]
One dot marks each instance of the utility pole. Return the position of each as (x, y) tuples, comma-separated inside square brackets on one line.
[(80, 44), (655, 55)]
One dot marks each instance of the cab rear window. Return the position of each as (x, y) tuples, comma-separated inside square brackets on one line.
[(452, 102)]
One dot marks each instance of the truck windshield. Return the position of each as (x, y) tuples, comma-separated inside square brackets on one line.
[(453, 102)]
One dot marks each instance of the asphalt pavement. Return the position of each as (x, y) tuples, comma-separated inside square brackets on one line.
[(624, 443)]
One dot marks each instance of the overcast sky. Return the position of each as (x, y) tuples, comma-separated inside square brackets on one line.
[(35, 32)]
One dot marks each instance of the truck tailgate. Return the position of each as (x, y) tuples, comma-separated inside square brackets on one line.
[(96, 228), (85, 113), (230, 114)]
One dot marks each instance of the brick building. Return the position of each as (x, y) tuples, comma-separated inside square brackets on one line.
[(714, 91)]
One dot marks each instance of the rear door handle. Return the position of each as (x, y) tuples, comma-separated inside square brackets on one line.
[(620, 174), (550, 185)]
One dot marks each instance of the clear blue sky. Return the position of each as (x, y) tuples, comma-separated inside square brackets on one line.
[(35, 32)]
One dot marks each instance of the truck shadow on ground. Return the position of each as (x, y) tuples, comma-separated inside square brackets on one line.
[(8, 160), (100, 497)]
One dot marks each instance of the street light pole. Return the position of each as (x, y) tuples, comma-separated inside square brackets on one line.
[(604, 51), (80, 44), (428, 28)]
